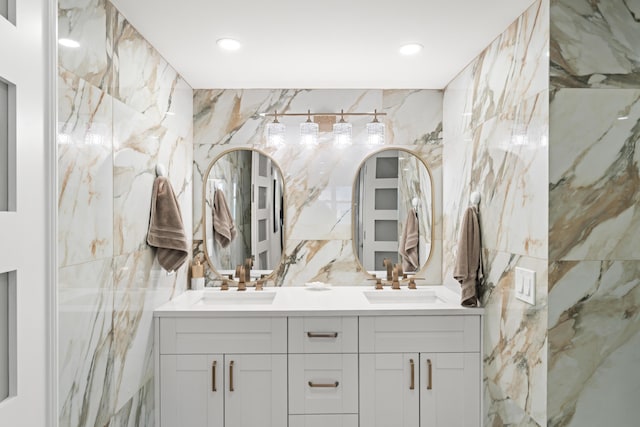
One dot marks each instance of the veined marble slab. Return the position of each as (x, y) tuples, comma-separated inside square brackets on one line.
[(593, 174), (594, 336), (595, 43), (85, 167), (318, 180), (90, 23)]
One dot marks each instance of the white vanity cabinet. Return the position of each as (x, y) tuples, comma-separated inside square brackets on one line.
[(318, 359), (225, 372), (420, 371)]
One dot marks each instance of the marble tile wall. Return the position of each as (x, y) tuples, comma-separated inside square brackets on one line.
[(496, 142), (594, 201), (122, 109), (319, 181)]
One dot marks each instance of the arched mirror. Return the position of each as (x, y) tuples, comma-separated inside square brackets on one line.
[(393, 212), (243, 213)]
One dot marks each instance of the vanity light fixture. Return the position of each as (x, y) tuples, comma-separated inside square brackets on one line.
[(309, 129), (375, 131), (228, 44), (276, 132), (410, 48), (342, 131)]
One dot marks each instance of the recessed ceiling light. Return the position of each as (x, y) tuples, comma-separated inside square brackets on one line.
[(69, 43), (410, 48), (229, 44)]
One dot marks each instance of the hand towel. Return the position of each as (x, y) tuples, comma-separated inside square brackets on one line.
[(468, 268), (166, 230), (409, 243), (224, 230)]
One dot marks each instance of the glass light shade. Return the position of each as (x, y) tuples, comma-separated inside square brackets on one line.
[(309, 133), (275, 134), (375, 133), (342, 133)]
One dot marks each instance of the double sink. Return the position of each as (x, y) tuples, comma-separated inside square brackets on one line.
[(357, 294)]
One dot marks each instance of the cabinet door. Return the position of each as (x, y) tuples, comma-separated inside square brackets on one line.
[(191, 391), (255, 390), (450, 390), (389, 390)]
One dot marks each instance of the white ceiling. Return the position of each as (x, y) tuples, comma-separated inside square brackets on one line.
[(321, 44)]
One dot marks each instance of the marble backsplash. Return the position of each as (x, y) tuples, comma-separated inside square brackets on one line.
[(496, 138), (122, 109), (319, 181)]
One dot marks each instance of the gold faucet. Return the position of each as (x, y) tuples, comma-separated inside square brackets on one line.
[(412, 283), (248, 263), (242, 286), (387, 263), (395, 284)]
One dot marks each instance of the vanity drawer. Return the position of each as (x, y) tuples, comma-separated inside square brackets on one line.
[(400, 334), (193, 335), (323, 384), (333, 420), (323, 334)]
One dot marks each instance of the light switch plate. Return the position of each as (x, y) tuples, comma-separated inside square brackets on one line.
[(525, 285)]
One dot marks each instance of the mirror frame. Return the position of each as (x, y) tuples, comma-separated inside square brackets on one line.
[(215, 271), (355, 201)]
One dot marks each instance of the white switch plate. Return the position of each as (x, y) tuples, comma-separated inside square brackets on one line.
[(525, 285)]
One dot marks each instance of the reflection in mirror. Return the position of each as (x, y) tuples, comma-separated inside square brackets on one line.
[(393, 212), (243, 212)]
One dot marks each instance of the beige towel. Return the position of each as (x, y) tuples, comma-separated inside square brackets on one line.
[(409, 243), (224, 229), (166, 230), (468, 268)]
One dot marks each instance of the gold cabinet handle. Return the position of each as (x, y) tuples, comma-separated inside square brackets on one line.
[(213, 376), (429, 373), (413, 375), (330, 385), (323, 335), (231, 376)]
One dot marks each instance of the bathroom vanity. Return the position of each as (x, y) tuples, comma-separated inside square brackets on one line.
[(314, 357)]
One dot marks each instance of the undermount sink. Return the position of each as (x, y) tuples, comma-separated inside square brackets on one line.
[(233, 296), (402, 296)]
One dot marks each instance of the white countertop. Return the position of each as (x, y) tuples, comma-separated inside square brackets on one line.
[(319, 301)]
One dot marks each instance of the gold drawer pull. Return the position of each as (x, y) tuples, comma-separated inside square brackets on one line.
[(429, 367), (330, 385), (213, 376), (231, 376), (413, 375), (323, 335)]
